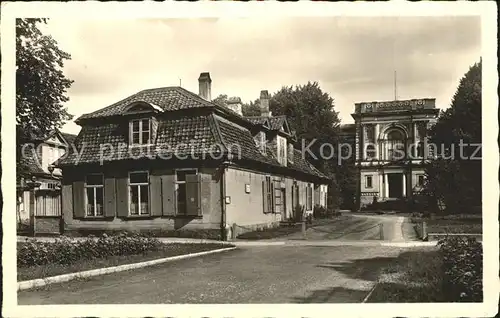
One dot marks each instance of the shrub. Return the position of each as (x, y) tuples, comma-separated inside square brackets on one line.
[(463, 269), (333, 212), (319, 212), (65, 251), (298, 212)]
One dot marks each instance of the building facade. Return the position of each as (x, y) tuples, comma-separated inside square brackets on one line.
[(167, 159), (39, 183), (391, 147)]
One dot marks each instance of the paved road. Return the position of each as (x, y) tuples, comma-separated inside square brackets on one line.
[(360, 227), (267, 274)]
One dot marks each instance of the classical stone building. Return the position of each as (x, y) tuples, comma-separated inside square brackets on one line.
[(391, 147)]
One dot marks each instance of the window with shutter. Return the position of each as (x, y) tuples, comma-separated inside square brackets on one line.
[(193, 200), (138, 193), (168, 193), (140, 132), (265, 207), (94, 195), (309, 197), (155, 200), (122, 194), (268, 195), (109, 196), (78, 199), (182, 176)]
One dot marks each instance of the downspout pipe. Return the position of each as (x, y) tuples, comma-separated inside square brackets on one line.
[(224, 226)]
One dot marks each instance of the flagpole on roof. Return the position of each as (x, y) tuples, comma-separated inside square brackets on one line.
[(395, 86)]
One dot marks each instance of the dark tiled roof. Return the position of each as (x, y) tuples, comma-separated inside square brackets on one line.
[(167, 98), (186, 133), (70, 138), (258, 120), (301, 164), (181, 136), (239, 139)]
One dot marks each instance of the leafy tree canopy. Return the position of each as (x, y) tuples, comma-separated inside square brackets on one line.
[(41, 85), (455, 180)]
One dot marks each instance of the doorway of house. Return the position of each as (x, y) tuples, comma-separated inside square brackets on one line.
[(285, 214), (395, 185)]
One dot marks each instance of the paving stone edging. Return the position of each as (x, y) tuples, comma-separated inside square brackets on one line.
[(107, 270)]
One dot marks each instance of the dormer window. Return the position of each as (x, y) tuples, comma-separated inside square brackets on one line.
[(140, 132)]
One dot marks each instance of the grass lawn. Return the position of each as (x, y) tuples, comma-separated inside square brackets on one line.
[(284, 230), (415, 276), (167, 250), (450, 225)]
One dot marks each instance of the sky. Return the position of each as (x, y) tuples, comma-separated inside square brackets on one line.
[(352, 58)]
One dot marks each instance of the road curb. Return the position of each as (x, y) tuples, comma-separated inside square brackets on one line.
[(370, 293), (257, 243), (107, 270)]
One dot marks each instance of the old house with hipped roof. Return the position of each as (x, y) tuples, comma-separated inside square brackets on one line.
[(167, 159), (38, 188)]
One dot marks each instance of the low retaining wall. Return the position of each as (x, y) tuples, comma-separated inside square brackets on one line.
[(210, 234), (421, 230), (440, 236), (48, 225), (236, 229)]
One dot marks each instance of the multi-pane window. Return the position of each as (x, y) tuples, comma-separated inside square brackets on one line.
[(395, 145), (94, 194), (140, 132), (181, 189), (368, 182), (282, 150), (139, 193), (420, 180), (309, 201), (370, 151), (370, 133)]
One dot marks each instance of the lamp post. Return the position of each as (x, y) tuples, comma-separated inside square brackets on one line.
[(32, 184)]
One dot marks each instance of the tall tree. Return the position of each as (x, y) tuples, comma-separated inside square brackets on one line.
[(221, 99), (252, 108), (41, 85), (455, 178), (311, 113)]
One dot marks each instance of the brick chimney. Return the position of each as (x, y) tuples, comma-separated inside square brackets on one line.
[(234, 103), (205, 85), (264, 104)]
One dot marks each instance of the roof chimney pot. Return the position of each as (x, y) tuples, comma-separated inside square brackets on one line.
[(264, 104), (205, 86)]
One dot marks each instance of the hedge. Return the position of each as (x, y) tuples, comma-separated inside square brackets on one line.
[(66, 251), (462, 269)]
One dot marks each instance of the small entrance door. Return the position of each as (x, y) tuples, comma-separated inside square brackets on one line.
[(285, 212), (395, 185)]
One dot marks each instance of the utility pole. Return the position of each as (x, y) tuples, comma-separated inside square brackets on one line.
[(180, 82), (395, 86)]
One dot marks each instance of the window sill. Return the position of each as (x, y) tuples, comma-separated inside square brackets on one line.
[(183, 216), (149, 217), (94, 218), (138, 217)]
